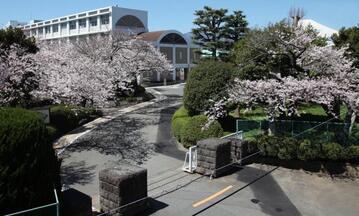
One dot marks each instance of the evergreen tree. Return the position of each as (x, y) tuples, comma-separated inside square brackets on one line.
[(236, 27), (217, 32), (210, 30), (15, 36), (349, 36)]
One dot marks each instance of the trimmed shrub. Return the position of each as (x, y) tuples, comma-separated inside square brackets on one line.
[(28, 165), (268, 145), (180, 113), (308, 150), (352, 152), (52, 133), (177, 127), (179, 119), (287, 148), (332, 151), (192, 130), (66, 118), (208, 80)]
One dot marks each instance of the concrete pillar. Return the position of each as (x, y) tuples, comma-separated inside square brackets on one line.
[(122, 185), (68, 28), (99, 21), (212, 156), (88, 24), (77, 26), (174, 63)]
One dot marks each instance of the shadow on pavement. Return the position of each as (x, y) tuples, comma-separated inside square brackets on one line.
[(267, 193), (121, 137), (154, 206), (165, 142), (77, 173)]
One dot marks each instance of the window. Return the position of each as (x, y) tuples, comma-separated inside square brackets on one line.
[(41, 31), (55, 28), (105, 19), (47, 30), (93, 21), (72, 25), (63, 26), (82, 23)]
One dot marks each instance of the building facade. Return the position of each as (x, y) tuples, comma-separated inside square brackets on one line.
[(179, 50)]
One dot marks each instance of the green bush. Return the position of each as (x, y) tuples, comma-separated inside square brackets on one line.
[(208, 80), (332, 151), (179, 119), (52, 133), (352, 152), (180, 113), (287, 148), (268, 145), (66, 118), (177, 127), (308, 150), (192, 130), (28, 164)]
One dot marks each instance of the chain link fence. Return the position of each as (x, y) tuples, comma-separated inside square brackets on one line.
[(329, 131)]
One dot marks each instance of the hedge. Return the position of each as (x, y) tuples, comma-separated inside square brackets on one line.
[(66, 118), (177, 127), (288, 148), (208, 80), (179, 119), (180, 113), (194, 130), (28, 165)]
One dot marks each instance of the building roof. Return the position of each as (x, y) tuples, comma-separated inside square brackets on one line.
[(324, 31), (151, 36)]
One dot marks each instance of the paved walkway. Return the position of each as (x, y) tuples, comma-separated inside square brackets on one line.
[(142, 136), (138, 135)]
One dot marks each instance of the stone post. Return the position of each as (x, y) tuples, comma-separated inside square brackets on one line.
[(123, 185), (212, 154)]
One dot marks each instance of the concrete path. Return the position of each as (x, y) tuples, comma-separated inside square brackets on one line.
[(138, 135), (142, 136)]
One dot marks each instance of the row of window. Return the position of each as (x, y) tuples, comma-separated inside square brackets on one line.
[(104, 19)]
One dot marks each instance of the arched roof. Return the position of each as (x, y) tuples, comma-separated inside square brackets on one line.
[(164, 37), (130, 21)]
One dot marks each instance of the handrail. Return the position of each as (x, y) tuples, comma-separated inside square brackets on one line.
[(40, 207)]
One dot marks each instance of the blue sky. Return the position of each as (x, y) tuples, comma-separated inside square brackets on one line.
[(178, 14)]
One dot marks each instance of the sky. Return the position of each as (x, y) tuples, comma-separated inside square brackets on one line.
[(178, 14)]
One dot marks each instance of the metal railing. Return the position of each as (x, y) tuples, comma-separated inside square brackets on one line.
[(36, 210)]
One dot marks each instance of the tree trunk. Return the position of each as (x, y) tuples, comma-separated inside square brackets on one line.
[(164, 81), (350, 120), (238, 111)]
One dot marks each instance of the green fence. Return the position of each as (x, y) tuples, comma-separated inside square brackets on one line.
[(329, 131)]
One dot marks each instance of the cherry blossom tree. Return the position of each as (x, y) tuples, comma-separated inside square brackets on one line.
[(18, 76), (89, 72), (319, 74)]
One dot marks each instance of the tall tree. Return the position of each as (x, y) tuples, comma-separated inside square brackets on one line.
[(236, 27), (210, 31), (15, 36), (320, 74), (18, 76), (349, 37), (217, 32), (90, 72)]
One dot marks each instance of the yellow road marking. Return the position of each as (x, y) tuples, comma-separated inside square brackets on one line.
[(211, 197)]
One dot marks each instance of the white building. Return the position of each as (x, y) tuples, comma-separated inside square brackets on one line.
[(178, 49)]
